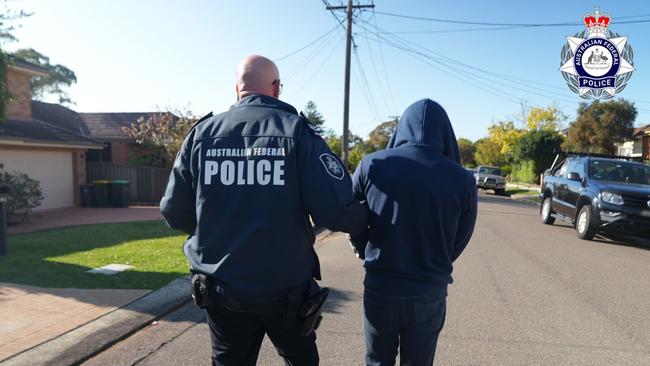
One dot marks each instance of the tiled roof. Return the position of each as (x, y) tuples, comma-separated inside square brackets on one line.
[(110, 126), (60, 116), (99, 126), (41, 132)]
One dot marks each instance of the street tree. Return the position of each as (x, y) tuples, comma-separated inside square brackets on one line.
[(549, 118), (380, 136), (505, 134), (488, 152), (314, 116), (600, 125), (467, 151), (538, 146), (161, 136)]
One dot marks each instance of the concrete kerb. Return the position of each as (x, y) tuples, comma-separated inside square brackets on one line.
[(91, 338), (525, 199)]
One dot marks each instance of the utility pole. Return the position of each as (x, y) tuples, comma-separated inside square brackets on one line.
[(346, 86)]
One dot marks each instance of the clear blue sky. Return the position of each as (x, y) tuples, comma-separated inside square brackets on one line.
[(148, 54)]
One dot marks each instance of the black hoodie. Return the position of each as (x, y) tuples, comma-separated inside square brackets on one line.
[(422, 203)]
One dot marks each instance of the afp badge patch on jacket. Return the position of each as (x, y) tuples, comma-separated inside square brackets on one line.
[(332, 166)]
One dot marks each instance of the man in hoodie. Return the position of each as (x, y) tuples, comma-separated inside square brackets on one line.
[(423, 210)]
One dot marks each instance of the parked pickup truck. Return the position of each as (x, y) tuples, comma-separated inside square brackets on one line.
[(489, 177), (597, 193)]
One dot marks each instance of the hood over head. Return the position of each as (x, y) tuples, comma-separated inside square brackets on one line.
[(425, 122)]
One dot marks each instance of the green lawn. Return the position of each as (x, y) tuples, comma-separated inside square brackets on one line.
[(61, 257)]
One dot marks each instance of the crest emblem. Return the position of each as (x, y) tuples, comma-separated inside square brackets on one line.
[(332, 166), (597, 63)]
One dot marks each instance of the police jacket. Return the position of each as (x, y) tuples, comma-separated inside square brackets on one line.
[(244, 185), (423, 205)]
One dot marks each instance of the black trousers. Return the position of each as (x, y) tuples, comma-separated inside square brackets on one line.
[(237, 338)]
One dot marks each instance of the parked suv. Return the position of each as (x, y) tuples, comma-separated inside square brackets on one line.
[(598, 193), (489, 177)]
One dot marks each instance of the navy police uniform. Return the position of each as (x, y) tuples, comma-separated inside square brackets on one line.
[(243, 187)]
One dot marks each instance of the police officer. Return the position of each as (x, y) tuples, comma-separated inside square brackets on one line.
[(243, 187)]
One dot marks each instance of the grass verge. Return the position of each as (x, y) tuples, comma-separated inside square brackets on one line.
[(61, 257)]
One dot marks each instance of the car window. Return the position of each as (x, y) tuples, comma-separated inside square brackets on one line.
[(616, 171), (489, 170), (560, 172), (580, 169), (570, 168)]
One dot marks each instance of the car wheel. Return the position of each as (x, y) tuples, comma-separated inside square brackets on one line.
[(546, 212), (584, 224)]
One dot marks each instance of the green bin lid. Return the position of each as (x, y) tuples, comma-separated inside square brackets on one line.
[(120, 181), (101, 181)]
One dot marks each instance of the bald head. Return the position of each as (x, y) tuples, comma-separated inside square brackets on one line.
[(257, 75)]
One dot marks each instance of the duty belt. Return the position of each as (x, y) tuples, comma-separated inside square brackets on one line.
[(275, 307)]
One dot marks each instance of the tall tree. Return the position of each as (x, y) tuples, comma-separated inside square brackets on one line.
[(380, 136), (467, 151), (538, 146), (315, 117), (7, 22), (600, 125), (57, 80), (549, 118), (505, 134), (488, 152)]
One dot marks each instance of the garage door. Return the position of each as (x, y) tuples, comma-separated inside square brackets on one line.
[(52, 169)]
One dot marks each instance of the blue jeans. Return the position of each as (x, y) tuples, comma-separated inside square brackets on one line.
[(411, 323)]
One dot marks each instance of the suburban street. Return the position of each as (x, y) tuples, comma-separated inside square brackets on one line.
[(524, 294)]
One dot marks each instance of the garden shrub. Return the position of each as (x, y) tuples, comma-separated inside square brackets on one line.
[(24, 195)]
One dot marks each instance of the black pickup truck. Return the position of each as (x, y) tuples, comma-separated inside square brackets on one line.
[(597, 193)]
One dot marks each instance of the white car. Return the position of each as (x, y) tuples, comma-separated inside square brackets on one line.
[(489, 177)]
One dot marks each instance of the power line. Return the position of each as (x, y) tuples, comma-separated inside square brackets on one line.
[(305, 46), (383, 63), (372, 103), (382, 92), (468, 22), (454, 63), (309, 57), (459, 74), (320, 66), (479, 80)]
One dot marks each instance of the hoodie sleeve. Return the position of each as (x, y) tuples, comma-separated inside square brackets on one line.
[(326, 186), (359, 241), (466, 224), (178, 205)]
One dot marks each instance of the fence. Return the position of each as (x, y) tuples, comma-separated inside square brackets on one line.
[(147, 183)]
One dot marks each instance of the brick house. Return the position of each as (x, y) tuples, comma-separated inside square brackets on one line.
[(54, 156), (106, 128)]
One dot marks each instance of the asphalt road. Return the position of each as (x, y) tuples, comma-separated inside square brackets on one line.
[(524, 294)]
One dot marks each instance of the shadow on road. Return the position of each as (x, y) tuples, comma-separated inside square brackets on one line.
[(337, 299), (626, 240), (612, 238)]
